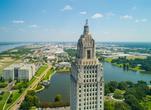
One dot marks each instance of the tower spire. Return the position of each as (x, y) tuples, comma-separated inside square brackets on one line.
[(86, 28), (86, 24)]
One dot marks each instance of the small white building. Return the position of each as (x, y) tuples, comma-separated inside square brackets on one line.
[(63, 64)]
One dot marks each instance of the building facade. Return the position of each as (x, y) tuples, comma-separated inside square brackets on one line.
[(19, 72), (87, 83)]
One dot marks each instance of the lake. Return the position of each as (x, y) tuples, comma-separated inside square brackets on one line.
[(60, 82)]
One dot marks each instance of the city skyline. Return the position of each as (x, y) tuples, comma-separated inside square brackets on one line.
[(45, 20)]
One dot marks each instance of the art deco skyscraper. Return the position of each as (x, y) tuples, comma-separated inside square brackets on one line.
[(87, 84)]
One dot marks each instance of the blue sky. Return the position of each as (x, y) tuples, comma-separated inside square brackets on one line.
[(63, 20)]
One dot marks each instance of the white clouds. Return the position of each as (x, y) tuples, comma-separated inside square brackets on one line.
[(97, 16), (83, 12), (34, 26), (141, 20), (18, 21), (67, 8), (126, 17)]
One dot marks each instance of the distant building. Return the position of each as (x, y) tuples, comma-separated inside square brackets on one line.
[(19, 72), (62, 56), (63, 64), (87, 83)]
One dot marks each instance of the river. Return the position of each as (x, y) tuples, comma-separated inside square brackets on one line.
[(7, 46), (60, 82)]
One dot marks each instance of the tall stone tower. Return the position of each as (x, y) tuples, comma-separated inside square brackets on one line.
[(87, 84)]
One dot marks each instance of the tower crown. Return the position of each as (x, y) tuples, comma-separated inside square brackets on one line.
[(86, 45)]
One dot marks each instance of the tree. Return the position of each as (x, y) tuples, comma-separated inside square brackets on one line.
[(122, 106), (112, 85), (118, 94), (58, 98), (109, 105), (133, 102), (107, 89), (30, 100), (122, 85)]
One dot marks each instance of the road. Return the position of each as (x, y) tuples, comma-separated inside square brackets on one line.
[(17, 103)]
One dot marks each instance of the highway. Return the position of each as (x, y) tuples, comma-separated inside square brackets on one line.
[(17, 103)]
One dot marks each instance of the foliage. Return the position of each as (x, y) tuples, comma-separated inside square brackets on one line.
[(4, 99), (3, 84), (53, 104), (20, 85), (133, 102), (118, 94), (122, 106), (1, 98), (30, 100), (10, 99), (58, 98), (71, 52), (111, 105), (133, 93), (143, 64)]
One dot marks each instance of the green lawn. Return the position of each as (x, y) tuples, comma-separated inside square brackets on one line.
[(15, 96), (41, 70), (137, 68), (4, 98), (108, 60), (48, 75)]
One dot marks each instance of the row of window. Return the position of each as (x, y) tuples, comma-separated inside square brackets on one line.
[(93, 107), (91, 67), (90, 90), (90, 71), (90, 80), (90, 75)]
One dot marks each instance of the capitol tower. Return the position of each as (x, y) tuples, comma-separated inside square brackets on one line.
[(87, 83)]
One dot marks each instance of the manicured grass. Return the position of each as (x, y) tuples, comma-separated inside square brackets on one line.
[(4, 99), (39, 88), (108, 60), (15, 96), (41, 70), (48, 75), (137, 68)]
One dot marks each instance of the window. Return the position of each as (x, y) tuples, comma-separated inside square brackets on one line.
[(88, 54)]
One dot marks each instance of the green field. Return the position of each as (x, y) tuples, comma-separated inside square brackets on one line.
[(48, 75), (4, 99), (15, 96)]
